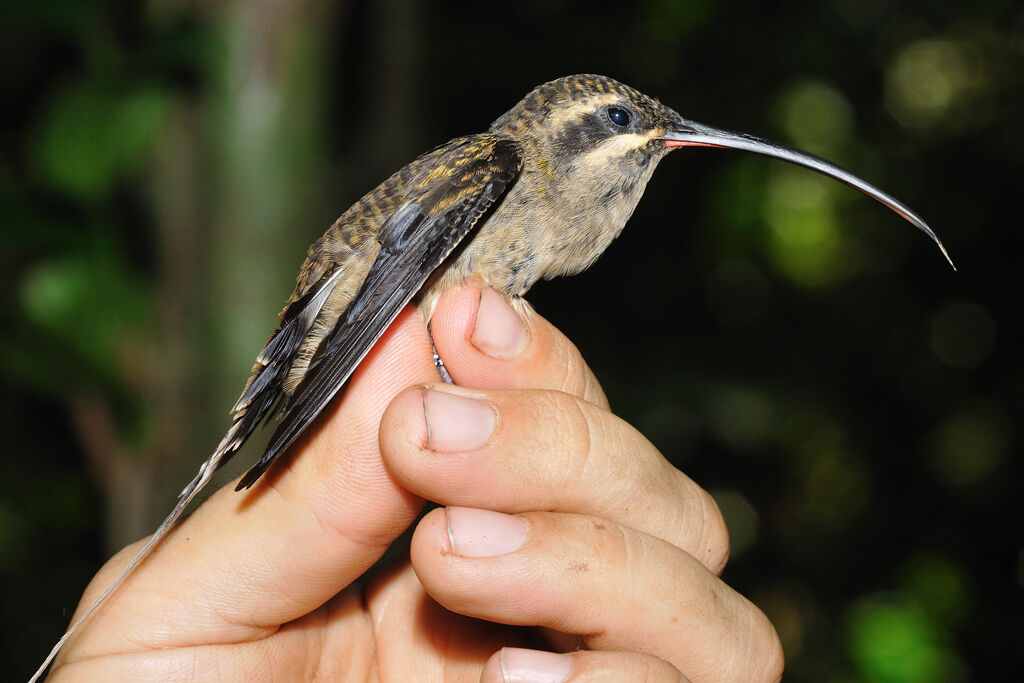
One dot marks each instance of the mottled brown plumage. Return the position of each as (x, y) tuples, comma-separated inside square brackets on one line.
[(573, 182), (542, 193)]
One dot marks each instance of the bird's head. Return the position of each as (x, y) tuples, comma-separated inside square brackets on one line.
[(606, 131), (588, 122)]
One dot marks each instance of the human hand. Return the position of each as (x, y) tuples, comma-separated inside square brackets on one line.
[(261, 585)]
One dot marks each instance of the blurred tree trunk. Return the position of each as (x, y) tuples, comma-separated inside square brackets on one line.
[(238, 186), (267, 114)]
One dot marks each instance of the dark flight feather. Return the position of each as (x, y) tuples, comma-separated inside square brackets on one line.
[(415, 241), (276, 357)]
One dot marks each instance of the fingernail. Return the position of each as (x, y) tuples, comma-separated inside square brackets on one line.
[(483, 533), (457, 423), (498, 331), (534, 666)]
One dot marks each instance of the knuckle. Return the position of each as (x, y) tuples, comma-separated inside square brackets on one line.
[(697, 526), (756, 654), (612, 665), (641, 667), (617, 546), (593, 391), (576, 378), (656, 670), (572, 432)]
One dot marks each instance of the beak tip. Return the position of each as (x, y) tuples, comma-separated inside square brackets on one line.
[(942, 248), (951, 264)]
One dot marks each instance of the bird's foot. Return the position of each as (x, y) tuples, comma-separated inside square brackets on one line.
[(438, 363)]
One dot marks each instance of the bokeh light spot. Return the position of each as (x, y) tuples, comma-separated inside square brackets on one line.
[(938, 585), (836, 487), (805, 240), (672, 426), (893, 641), (741, 518), (831, 485), (923, 81), (740, 417), (963, 334), (970, 445), (816, 116)]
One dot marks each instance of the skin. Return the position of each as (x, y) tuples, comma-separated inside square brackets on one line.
[(595, 544)]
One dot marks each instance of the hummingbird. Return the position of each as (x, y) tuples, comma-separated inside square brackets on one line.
[(542, 193)]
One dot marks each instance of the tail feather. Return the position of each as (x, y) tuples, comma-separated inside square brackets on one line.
[(206, 471), (258, 399)]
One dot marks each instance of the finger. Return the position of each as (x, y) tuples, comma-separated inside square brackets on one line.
[(511, 665), (287, 655), (247, 562), (618, 588), (514, 451), (417, 639), (484, 343)]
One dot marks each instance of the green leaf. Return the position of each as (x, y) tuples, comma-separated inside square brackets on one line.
[(894, 641), (89, 136), (93, 304)]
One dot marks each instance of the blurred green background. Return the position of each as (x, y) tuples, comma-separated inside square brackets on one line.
[(799, 350)]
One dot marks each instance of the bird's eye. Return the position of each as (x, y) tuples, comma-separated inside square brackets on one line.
[(620, 117)]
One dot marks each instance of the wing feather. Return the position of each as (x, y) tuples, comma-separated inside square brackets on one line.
[(414, 241)]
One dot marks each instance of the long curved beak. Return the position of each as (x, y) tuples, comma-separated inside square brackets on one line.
[(692, 134)]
